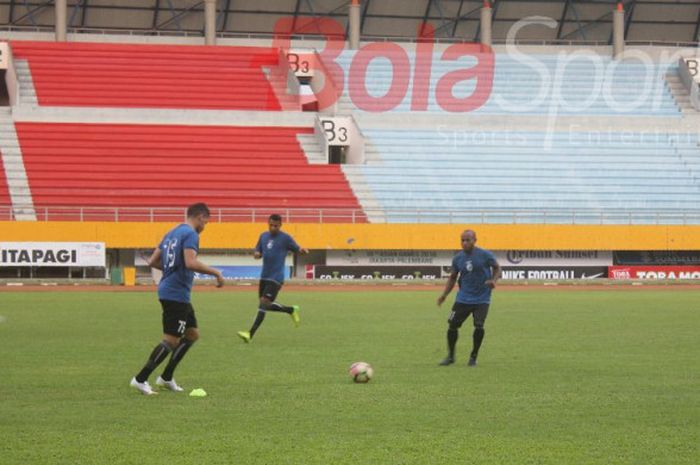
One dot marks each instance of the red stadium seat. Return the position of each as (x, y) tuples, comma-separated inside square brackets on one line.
[(150, 76), (144, 166)]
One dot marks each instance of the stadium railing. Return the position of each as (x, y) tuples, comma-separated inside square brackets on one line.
[(432, 216)]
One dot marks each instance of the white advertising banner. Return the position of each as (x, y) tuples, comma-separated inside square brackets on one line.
[(554, 258), (389, 257), (88, 254)]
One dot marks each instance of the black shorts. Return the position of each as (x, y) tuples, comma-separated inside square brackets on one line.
[(460, 312), (177, 317), (269, 289)]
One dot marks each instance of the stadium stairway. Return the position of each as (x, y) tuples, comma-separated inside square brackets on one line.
[(312, 149), (679, 92), (138, 167), (147, 76), (4, 192), (14, 188)]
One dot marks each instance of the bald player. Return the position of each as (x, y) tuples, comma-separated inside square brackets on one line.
[(477, 272)]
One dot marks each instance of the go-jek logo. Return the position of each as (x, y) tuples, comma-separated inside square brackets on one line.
[(406, 77)]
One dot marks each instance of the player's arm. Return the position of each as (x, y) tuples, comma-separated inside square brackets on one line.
[(496, 273), (193, 264), (258, 249), (155, 260), (296, 248), (451, 281)]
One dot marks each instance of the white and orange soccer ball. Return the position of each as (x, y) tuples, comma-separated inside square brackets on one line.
[(361, 372)]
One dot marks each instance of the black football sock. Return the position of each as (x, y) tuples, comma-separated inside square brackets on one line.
[(258, 321), (157, 356), (275, 307), (452, 335), (178, 354), (478, 338)]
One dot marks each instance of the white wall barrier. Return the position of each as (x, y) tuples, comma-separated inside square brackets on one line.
[(342, 131)]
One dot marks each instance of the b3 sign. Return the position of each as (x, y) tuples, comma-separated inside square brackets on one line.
[(693, 67)]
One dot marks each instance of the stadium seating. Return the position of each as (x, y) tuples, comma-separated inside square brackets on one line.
[(143, 166), (546, 84), (412, 175), (149, 76), (528, 177)]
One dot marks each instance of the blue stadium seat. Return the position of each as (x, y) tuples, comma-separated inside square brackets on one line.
[(420, 176), (554, 85)]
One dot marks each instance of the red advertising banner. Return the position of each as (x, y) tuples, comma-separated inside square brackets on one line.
[(654, 272)]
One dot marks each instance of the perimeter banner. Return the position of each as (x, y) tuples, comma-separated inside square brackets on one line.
[(389, 258), (560, 258), (555, 273), (533, 258), (83, 254), (240, 272), (657, 257), (368, 273), (654, 272)]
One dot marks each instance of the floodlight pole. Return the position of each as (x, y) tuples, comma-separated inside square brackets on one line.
[(486, 22), (61, 16), (210, 22), (618, 30), (354, 22)]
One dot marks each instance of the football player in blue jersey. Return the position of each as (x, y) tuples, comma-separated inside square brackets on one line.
[(478, 271), (176, 256), (273, 246)]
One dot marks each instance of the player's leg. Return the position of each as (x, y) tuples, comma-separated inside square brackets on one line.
[(190, 337), (480, 312), (174, 324), (259, 317), (272, 291), (457, 316), (267, 292)]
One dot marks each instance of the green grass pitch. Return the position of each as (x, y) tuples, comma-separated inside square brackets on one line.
[(564, 377)]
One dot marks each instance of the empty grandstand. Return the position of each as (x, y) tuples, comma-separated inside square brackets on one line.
[(464, 125)]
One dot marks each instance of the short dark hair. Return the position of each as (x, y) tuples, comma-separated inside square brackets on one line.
[(197, 209), (275, 217)]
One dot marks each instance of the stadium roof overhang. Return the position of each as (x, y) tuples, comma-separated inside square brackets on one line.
[(589, 21)]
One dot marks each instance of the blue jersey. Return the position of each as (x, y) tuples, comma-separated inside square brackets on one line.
[(474, 270), (176, 283), (274, 251)]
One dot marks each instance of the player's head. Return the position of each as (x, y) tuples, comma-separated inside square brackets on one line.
[(275, 223), (468, 239), (198, 216)]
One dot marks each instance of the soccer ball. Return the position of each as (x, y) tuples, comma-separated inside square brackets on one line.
[(361, 372)]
